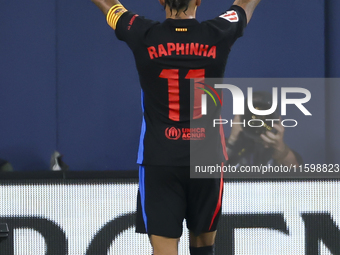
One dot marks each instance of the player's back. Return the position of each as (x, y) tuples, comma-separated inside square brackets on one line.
[(168, 55)]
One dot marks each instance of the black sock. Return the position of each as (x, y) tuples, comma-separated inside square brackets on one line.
[(206, 250)]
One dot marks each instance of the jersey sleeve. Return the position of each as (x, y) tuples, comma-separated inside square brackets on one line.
[(129, 27), (230, 23)]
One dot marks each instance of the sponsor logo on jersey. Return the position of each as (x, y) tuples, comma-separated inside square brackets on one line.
[(193, 133), (231, 16), (173, 133)]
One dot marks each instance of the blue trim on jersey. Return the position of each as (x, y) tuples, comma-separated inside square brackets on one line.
[(142, 135), (142, 194)]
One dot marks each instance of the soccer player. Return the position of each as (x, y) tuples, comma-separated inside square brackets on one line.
[(167, 56)]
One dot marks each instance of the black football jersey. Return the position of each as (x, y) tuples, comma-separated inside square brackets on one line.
[(173, 58)]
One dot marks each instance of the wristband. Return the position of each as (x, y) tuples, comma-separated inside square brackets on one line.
[(114, 14)]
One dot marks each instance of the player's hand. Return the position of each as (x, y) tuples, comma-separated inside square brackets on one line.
[(275, 141), (105, 5)]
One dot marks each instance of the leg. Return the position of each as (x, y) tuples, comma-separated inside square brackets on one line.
[(161, 207), (205, 200), (204, 239), (202, 244), (164, 245)]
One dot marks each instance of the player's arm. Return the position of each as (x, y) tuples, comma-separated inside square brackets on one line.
[(105, 5), (248, 5)]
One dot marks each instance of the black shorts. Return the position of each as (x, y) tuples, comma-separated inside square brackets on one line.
[(167, 196)]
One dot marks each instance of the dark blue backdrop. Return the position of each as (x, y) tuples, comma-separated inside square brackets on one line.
[(68, 84)]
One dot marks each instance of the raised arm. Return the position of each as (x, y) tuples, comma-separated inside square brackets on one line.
[(105, 5), (248, 5)]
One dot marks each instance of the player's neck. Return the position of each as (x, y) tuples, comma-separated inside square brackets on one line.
[(189, 14)]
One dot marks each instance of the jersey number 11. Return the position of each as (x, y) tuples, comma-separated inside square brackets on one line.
[(173, 91)]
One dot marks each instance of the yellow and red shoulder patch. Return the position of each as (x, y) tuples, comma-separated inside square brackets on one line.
[(114, 14)]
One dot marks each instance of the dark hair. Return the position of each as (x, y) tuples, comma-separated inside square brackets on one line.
[(178, 5)]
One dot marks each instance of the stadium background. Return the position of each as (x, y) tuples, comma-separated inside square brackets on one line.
[(68, 84)]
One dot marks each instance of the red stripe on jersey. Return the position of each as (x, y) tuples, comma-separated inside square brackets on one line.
[(219, 202), (224, 146), (173, 92), (198, 76)]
